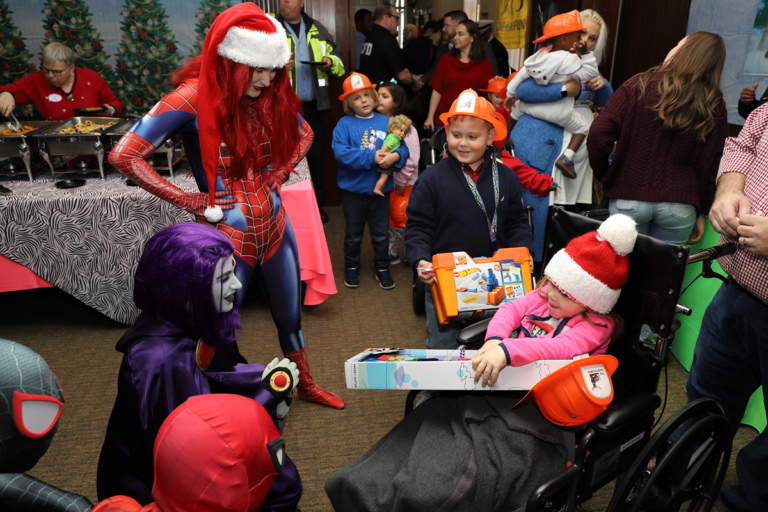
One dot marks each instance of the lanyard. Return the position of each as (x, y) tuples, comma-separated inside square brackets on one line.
[(492, 225)]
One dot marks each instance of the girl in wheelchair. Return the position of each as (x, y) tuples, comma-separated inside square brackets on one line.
[(569, 312), (467, 451)]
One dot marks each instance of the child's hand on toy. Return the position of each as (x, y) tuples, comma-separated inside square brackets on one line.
[(386, 160), (488, 362), (509, 103), (425, 272)]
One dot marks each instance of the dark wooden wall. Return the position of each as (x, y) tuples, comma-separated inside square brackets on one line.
[(338, 17), (647, 31)]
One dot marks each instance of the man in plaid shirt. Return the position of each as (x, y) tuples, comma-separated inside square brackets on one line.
[(731, 357)]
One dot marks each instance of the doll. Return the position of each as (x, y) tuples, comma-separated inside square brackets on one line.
[(399, 126)]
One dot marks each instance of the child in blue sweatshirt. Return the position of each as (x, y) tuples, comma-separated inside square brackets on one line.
[(357, 142)]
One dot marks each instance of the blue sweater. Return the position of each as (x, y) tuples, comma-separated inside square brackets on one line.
[(443, 215), (355, 152)]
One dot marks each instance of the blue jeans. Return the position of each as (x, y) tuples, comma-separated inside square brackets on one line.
[(730, 361), (359, 209), (671, 222)]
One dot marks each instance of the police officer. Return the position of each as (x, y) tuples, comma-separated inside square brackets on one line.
[(381, 59)]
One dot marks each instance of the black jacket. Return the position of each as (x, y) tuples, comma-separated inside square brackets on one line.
[(443, 215)]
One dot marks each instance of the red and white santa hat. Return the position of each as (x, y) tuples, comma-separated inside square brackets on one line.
[(246, 35), (593, 267)]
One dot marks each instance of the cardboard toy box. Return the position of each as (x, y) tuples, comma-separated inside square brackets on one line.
[(467, 288), (435, 370)]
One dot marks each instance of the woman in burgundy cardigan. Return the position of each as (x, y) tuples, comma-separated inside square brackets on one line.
[(670, 126)]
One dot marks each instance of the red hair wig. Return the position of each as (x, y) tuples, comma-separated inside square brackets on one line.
[(257, 131)]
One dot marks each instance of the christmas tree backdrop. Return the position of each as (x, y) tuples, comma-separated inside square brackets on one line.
[(208, 11), (146, 58), (15, 60), (69, 22)]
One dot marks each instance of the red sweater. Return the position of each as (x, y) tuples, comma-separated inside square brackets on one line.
[(532, 180), (89, 90), (653, 164), (453, 76)]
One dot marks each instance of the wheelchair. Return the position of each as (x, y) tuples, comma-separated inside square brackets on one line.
[(652, 471)]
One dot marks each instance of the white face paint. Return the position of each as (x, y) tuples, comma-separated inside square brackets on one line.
[(225, 284)]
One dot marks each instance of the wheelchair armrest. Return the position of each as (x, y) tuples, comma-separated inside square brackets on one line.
[(473, 334), (627, 411), (540, 499)]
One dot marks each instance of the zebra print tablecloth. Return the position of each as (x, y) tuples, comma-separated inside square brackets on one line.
[(87, 240)]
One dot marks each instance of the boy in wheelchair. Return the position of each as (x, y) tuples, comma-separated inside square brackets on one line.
[(478, 451), (465, 202)]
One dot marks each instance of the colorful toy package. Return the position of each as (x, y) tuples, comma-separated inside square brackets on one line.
[(467, 288), (436, 370)]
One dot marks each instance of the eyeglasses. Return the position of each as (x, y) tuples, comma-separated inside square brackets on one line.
[(397, 17), (54, 72)]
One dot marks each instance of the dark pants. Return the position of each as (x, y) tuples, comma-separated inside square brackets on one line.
[(729, 363), (359, 209), (315, 154)]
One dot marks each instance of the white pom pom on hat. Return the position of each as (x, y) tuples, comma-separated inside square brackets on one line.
[(593, 267), (213, 214), (620, 231)]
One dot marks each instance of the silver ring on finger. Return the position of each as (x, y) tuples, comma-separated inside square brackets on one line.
[(744, 240)]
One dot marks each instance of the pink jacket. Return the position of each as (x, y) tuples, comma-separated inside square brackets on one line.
[(576, 337), (410, 171)]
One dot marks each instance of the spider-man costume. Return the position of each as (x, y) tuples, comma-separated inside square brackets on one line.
[(213, 452), (254, 218), (31, 400)]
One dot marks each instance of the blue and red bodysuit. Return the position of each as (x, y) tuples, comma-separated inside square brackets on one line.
[(254, 218)]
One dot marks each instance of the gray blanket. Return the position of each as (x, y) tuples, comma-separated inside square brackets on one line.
[(456, 452)]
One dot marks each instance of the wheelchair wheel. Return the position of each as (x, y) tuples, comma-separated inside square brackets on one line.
[(419, 292), (688, 472)]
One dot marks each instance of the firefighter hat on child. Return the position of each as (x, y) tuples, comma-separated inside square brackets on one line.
[(593, 267), (470, 104), (242, 34), (355, 82), (561, 24)]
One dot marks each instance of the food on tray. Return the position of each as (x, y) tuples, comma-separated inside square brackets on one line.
[(86, 127), (11, 131)]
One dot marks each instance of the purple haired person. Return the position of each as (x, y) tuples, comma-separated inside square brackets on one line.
[(183, 344)]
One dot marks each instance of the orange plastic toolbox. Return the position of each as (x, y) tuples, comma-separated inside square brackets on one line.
[(465, 288)]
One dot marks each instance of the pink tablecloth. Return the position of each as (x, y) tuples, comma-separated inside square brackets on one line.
[(300, 203)]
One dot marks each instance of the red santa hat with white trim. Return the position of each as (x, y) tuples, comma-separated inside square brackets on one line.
[(592, 268), (242, 34)]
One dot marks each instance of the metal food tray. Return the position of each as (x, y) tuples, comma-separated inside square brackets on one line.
[(53, 143), (169, 147), (20, 145)]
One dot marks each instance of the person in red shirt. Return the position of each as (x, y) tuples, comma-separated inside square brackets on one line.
[(465, 67), (59, 88)]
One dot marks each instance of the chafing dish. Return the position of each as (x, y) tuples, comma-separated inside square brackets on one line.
[(24, 146), (169, 147), (55, 143)]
